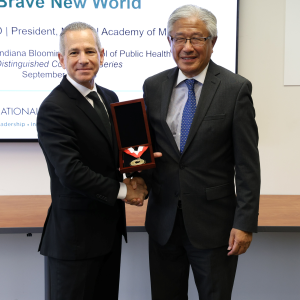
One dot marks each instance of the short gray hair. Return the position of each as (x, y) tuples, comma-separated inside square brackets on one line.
[(188, 11), (77, 26)]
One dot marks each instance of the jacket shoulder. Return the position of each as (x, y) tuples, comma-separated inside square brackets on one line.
[(108, 93), (55, 96), (160, 76), (226, 74)]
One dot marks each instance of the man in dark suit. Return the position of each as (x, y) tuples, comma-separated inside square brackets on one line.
[(203, 122), (83, 229)]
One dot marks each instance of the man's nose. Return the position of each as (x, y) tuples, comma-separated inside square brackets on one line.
[(83, 58), (188, 47)]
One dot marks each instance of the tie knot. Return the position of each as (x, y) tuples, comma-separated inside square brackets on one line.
[(93, 95), (190, 83)]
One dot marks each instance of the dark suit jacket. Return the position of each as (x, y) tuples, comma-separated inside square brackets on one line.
[(221, 146), (83, 166)]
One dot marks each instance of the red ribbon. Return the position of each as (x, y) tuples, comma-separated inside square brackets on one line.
[(140, 153)]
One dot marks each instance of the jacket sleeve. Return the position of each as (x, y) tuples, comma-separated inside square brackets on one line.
[(247, 166)]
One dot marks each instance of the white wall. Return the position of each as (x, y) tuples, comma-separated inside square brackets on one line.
[(21, 268), (292, 43), (269, 271), (23, 170), (261, 60), (271, 268)]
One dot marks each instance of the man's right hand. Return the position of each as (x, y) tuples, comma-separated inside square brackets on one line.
[(135, 196)]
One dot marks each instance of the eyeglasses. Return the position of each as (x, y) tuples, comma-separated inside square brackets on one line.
[(200, 41)]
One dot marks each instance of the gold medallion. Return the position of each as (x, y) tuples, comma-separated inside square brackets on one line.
[(137, 162)]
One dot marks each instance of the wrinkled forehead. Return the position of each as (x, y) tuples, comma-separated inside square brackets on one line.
[(80, 38)]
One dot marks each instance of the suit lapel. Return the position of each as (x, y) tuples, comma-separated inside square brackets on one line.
[(167, 88), (209, 89), (85, 106)]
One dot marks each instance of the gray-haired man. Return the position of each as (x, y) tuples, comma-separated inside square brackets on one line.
[(203, 122)]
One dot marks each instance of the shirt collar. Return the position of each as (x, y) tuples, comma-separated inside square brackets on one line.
[(200, 77), (84, 91)]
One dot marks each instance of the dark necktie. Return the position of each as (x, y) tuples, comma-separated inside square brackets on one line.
[(101, 111), (188, 113)]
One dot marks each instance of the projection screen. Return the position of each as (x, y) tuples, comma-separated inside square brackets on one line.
[(132, 33)]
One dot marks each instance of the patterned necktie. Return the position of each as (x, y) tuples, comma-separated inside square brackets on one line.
[(101, 111), (188, 113)]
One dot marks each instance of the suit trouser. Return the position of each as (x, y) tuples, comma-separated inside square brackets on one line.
[(90, 279), (213, 270)]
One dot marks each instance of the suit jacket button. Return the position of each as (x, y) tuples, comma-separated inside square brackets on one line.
[(181, 167), (98, 196)]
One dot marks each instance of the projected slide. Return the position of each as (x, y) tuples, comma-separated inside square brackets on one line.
[(133, 35)]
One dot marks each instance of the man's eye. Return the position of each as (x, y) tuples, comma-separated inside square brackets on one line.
[(73, 53), (179, 39)]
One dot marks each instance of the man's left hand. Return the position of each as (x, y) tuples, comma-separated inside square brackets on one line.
[(239, 241)]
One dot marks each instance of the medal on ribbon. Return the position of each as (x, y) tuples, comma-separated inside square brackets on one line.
[(137, 154)]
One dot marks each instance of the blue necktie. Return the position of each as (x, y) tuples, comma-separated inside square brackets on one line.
[(188, 113)]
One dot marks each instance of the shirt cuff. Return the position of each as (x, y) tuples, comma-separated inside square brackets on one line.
[(122, 191)]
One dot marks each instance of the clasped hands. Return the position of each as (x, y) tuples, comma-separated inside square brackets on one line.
[(136, 191)]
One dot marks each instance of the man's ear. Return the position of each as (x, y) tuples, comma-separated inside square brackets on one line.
[(101, 57), (61, 60), (214, 40), (169, 40)]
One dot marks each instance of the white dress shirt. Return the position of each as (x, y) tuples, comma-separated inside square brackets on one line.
[(178, 99), (84, 91)]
